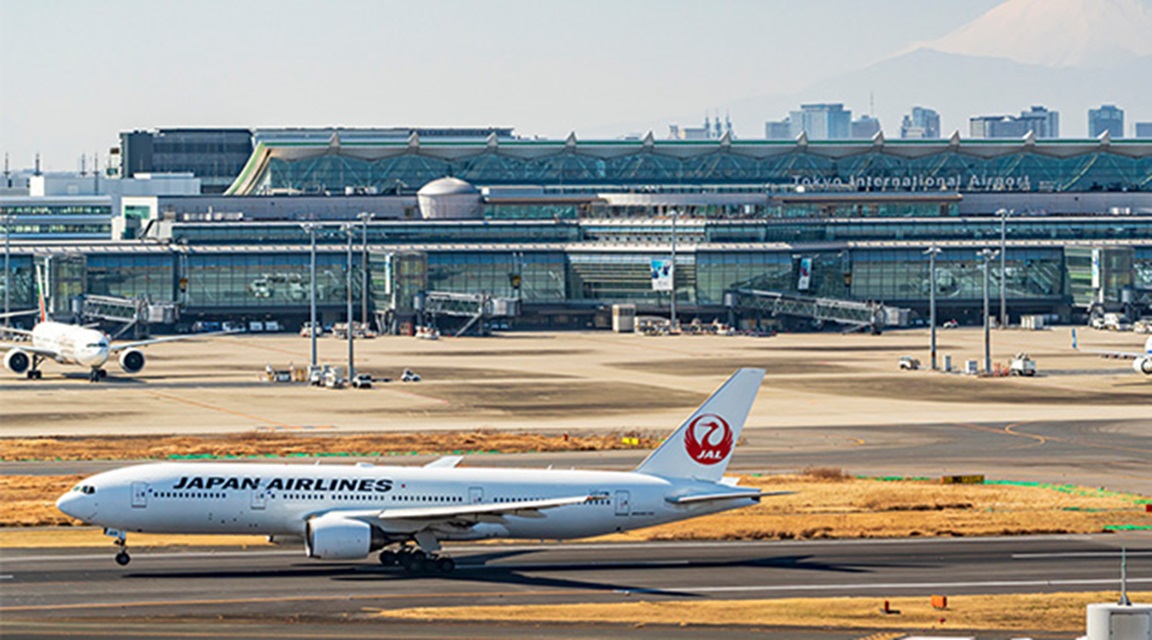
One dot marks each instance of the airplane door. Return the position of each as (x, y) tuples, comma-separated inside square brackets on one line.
[(139, 495), (623, 503), (475, 495), (259, 499)]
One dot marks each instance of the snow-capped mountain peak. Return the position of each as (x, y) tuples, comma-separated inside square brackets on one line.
[(1057, 33)]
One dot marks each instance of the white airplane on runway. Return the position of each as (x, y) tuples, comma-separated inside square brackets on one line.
[(348, 512), (1141, 362), (74, 344)]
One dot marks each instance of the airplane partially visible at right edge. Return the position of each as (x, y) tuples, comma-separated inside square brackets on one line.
[(1141, 362)]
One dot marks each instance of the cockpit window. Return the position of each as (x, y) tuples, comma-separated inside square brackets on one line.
[(96, 345), (86, 489)]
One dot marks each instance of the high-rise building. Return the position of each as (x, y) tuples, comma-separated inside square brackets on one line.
[(216, 156), (1107, 118), (1038, 120), (822, 121), (1144, 129), (1045, 123), (778, 129), (921, 124), (865, 128)]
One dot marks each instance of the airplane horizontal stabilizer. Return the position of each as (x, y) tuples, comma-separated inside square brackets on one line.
[(712, 497)]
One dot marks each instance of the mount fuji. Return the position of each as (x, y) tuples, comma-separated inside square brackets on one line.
[(1068, 55)]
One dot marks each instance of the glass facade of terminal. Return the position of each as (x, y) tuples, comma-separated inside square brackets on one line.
[(274, 281), (900, 166)]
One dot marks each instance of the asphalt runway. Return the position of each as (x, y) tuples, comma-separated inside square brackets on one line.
[(1116, 454), (57, 588)]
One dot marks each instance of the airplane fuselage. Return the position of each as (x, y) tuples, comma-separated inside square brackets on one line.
[(279, 499), (73, 344)]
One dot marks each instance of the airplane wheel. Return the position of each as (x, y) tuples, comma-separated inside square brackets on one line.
[(388, 558), (101, 373), (445, 565), (418, 564), (123, 558)]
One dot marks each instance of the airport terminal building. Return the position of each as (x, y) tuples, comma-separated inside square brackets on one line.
[(564, 229)]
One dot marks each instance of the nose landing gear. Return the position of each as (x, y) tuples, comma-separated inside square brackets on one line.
[(96, 375), (121, 540)]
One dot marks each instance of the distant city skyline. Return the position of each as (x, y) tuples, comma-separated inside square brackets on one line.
[(74, 75)]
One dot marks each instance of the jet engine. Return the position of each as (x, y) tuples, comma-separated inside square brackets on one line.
[(334, 537), (1143, 365), (17, 361), (132, 360)]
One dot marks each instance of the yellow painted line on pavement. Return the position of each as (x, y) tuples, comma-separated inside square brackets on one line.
[(211, 407)]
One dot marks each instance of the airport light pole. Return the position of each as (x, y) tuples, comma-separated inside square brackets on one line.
[(1004, 213), (350, 230), (364, 216), (932, 252), (310, 228), (675, 215), (7, 269), (987, 254)]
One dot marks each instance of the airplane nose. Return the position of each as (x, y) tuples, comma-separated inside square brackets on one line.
[(76, 504)]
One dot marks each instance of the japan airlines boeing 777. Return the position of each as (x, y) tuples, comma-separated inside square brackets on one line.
[(347, 512), (1141, 362)]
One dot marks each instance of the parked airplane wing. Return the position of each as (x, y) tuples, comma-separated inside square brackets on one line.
[(525, 508), (120, 346), (1118, 355), (28, 348), (712, 497)]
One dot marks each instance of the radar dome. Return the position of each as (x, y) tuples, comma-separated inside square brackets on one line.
[(449, 199)]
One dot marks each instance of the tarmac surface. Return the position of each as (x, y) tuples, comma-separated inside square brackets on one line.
[(43, 587), (829, 400)]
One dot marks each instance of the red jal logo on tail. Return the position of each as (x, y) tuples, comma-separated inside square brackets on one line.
[(708, 439)]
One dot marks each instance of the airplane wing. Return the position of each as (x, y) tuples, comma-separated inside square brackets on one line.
[(733, 495), (120, 346), (524, 508), (1118, 355), (22, 332), (446, 462), (28, 348)]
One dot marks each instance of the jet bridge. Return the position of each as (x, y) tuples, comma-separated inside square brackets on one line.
[(872, 316), (132, 313), (477, 308)]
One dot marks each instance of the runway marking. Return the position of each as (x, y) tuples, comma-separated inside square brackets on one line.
[(1041, 440), (481, 594), (205, 405), (315, 598), (908, 585), (1079, 554), (5, 577)]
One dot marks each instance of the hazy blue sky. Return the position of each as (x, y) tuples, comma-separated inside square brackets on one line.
[(73, 73)]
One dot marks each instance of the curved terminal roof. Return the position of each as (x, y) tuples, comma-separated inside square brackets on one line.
[(390, 165)]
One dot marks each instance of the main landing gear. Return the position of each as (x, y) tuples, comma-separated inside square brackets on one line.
[(96, 375), (121, 540), (415, 561)]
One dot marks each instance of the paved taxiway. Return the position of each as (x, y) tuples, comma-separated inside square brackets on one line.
[(52, 587), (1116, 454)]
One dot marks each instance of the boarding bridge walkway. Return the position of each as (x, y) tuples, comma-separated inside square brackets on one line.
[(474, 306), (872, 316), (133, 313)]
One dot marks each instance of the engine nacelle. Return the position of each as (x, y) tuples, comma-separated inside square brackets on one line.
[(1143, 365), (17, 361), (334, 537), (132, 360)]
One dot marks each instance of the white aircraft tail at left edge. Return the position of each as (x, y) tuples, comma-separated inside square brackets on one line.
[(346, 512), (73, 344)]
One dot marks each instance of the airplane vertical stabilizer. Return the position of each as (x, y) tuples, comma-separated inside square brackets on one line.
[(701, 448)]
